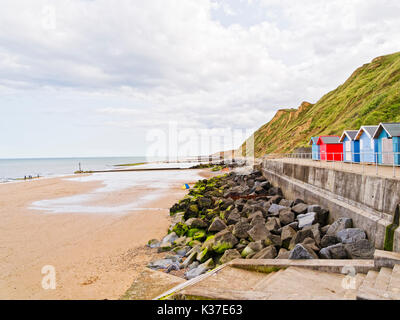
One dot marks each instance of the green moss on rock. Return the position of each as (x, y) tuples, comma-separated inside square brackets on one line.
[(180, 229), (221, 247)]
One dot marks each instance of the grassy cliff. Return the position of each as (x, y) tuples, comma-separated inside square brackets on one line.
[(371, 95)]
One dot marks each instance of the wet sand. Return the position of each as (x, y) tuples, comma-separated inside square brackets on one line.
[(95, 256)]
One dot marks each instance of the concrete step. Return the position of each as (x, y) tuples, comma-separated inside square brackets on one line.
[(333, 266), (287, 284), (386, 259), (382, 285), (383, 279), (370, 279), (394, 285)]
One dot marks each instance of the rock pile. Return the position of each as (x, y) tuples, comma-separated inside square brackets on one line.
[(241, 215)]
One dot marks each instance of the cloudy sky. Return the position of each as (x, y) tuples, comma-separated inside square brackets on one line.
[(94, 77)]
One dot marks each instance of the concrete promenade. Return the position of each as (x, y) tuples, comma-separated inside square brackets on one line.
[(360, 168)]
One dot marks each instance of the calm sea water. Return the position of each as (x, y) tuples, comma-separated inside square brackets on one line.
[(11, 169)]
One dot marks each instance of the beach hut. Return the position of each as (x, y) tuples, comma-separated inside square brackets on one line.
[(315, 148), (351, 147), (387, 137), (330, 148), (367, 143)]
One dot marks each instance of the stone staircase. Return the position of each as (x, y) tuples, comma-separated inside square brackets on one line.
[(382, 285), (272, 279)]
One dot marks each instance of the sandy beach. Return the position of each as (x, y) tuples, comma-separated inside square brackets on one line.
[(96, 255)]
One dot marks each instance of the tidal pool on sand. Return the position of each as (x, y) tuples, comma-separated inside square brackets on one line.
[(152, 184)]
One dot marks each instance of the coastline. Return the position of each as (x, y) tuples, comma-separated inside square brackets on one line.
[(96, 256)]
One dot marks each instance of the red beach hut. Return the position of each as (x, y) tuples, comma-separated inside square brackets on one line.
[(331, 149)]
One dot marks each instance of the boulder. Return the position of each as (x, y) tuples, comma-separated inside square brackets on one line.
[(161, 264), (193, 266), (328, 241), (362, 249), (273, 224), (316, 233), (274, 209), (286, 203), (196, 223), (230, 255), (286, 216), (261, 179), (196, 249), (250, 183), (181, 251), (314, 208), (336, 251), (266, 253), (300, 208), (301, 252), (173, 267), (258, 232), (247, 252), (275, 199), (223, 241), (256, 173), (204, 203), (154, 243), (203, 256), (323, 217), (297, 201), (310, 244), (339, 225), (180, 241), (256, 246), (203, 268), (294, 225), (325, 229), (240, 230), (287, 235), (191, 212), (257, 220), (273, 240), (208, 243), (350, 235), (300, 237), (170, 238), (283, 254), (217, 225), (260, 190), (233, 218), (307, 219), (189, 260), (164, 246)]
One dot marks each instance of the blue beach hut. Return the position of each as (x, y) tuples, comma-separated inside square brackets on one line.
[(387, 136), (351, 146), (367, 143), (315, 148)]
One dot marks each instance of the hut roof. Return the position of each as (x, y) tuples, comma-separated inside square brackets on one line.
[(392, 129), (369, 130), (351, 134), (328, 140), (313, 140)]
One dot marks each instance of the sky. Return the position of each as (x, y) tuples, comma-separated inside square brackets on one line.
[(111, 78)]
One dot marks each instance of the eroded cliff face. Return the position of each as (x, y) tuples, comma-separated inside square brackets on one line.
[(371, 95)]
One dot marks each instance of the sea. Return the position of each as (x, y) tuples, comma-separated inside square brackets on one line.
[(16, 169)]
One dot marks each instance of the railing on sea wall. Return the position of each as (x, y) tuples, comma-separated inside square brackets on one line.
[(359, 162)]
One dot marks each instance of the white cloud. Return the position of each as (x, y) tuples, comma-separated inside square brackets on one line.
[(174, 60)]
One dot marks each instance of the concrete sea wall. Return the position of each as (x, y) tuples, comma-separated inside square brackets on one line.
[(369, 200)]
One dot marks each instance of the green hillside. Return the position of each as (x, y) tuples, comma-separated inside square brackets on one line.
[(370, 96)]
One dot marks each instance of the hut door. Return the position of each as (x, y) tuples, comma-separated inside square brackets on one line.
[(348, 150), (387, 150)]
